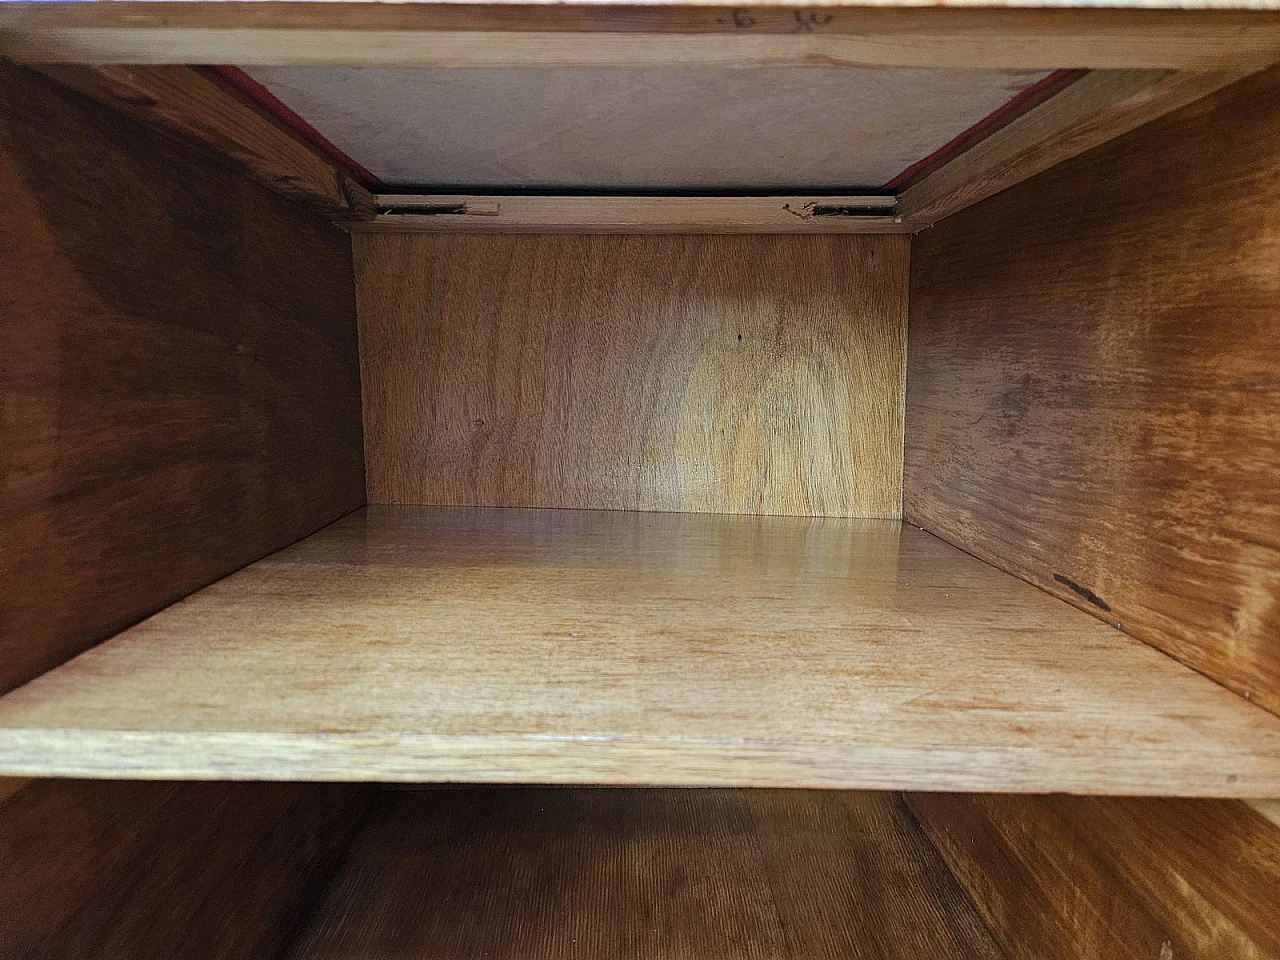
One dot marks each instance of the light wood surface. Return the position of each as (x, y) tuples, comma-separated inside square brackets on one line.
[(560, 646), (157, 871), (695, 129), (706, 374), (462, 213), (643, 875), (178, 373), (1217, 36), (1269, 808), (1093, 398), (1060, 878), (205, 109), (1099, 106)]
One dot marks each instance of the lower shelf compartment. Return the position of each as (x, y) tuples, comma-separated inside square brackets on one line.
[(554, 646), (99, 870), (91, 870), (559, 874)]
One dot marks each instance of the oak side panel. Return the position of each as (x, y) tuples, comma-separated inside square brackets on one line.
[(1059, 878), (153, 871), (757, 374), (179, 385), (1093, 395), (582, 874)]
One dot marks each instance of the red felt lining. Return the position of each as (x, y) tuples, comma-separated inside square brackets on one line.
[(270, 103), (1036, 93)]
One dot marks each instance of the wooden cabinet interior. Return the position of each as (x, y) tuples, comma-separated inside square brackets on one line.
[(701, 374), (178, 360), (1090, 405), (337, 872)]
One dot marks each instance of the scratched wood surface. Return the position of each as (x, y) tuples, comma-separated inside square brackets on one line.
[(704, 374), (154, 871), (1093, 397), (643, 875), (178, 373), (759, 34), (558, 646), (1060, 878)]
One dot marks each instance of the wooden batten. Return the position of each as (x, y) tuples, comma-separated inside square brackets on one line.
[(1089, 111), (654, 34), (649, 214), (204, 109)]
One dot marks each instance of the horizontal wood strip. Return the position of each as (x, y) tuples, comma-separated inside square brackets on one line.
[(632, 215), (412, 34)]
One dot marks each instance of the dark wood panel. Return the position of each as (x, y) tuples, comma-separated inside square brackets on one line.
[(154, 871), (179, 383), (1059, 878), (1093, 392), (657, 874), (198, 105)]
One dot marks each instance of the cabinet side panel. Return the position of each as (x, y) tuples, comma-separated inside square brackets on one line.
[(1093, 393), (1059, 878), (156, 871), (752, 374), (179, 385)]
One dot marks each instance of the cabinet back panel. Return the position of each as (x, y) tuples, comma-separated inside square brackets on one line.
[(755, 374), (179, 390), (1093, 399)]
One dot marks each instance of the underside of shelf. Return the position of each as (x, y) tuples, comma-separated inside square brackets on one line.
[(558, 646), (526, 874)]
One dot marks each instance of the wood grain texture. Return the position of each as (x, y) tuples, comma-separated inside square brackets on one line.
[(1097, 107), (643, 875), (154, 871), (463, 213), (693, 130), (1059, 878), (702, 374), (828, 33), (178, 373), (206, 110), (1093, 397), (1269, 808), (557, 646)]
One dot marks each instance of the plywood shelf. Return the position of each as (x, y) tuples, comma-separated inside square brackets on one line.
[(537, 874), (556, 646)]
